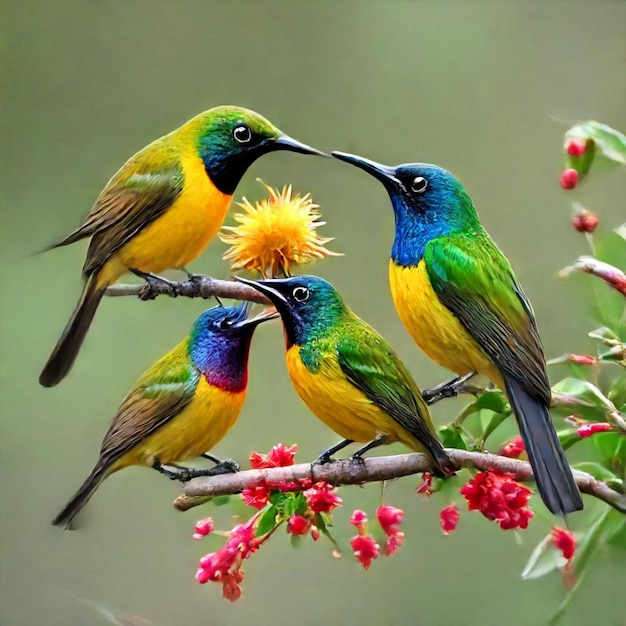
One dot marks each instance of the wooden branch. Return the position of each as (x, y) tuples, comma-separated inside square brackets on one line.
[(194, 287), (373, 469)]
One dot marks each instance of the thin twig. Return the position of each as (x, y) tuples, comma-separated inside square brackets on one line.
[(195, 287), (373, 469)]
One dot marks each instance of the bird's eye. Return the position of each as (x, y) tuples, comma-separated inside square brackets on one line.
[(242, 134), (225, 324), (301, 294), (419, 184)]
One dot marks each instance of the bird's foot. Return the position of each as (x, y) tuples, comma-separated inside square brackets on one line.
[(228, 466), (199, 283), (155, 285), (223, 467), (449, 389), (357, 457), (326, 456), (323, 459)]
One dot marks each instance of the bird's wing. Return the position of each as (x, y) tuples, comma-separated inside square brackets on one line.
[(139, 193), (473, 279), (162, 392), (372, 366)]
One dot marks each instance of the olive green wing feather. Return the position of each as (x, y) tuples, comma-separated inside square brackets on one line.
[(159, 395), (138, 194), (372, 366), (473, 279)]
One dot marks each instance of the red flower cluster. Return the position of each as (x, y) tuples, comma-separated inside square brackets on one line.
[(586, 430), (390, 518), (321, 498), (224, 565), (278, 456), (449, 518), (499, 498), (512, 448), (363, 545)]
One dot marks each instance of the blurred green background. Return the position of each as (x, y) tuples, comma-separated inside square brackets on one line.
[(484, 88)]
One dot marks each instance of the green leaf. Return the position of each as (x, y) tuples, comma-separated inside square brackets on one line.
[(496, 420), (611, 446), (221, 500), (545, 558), (268, 521), (603, 144), (451, 437), (494, 400), (301, 505), (322, 522), (596, 470), (573, 395), (568, 437)]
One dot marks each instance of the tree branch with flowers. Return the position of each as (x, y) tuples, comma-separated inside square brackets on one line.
[(277, 234)]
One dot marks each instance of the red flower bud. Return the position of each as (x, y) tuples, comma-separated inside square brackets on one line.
[(564, 541), (427, 484), (586, 430), (576, 147), (449, 518), (298, 525), (358, 518), (512, 448), (569, 178), (203, 527), (585, 221)]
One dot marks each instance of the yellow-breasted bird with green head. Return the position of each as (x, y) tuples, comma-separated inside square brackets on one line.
[(162, 208), (347, 374), (182, 406), (459, 299)]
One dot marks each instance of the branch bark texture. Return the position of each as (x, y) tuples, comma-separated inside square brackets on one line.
[(373, 469)]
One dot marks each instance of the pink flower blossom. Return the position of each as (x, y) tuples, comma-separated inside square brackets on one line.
[(278, 456), (321, 498)]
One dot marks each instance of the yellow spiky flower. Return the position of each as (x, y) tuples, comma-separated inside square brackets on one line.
[(275, 234)]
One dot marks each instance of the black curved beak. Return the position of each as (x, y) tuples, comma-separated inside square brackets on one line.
[(384, 173), (270, 313), (285, 142), (264, 287)]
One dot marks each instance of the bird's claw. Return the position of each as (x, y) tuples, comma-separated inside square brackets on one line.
[(323, 459)]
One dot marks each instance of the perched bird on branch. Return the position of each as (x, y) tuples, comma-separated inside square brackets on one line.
[(347, 374), (182, 406), (162, 208), (459, 299)]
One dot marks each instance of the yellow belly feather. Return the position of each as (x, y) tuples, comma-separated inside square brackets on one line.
[(179, 235), (433, 328), (341, 406), (195, 430)]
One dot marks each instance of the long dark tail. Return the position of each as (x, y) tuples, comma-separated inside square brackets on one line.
[(64, 353), (552, 472), (81, 497)]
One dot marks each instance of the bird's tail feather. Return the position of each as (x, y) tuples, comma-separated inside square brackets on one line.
[(81, 497), (552, 472), (66, 350)]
